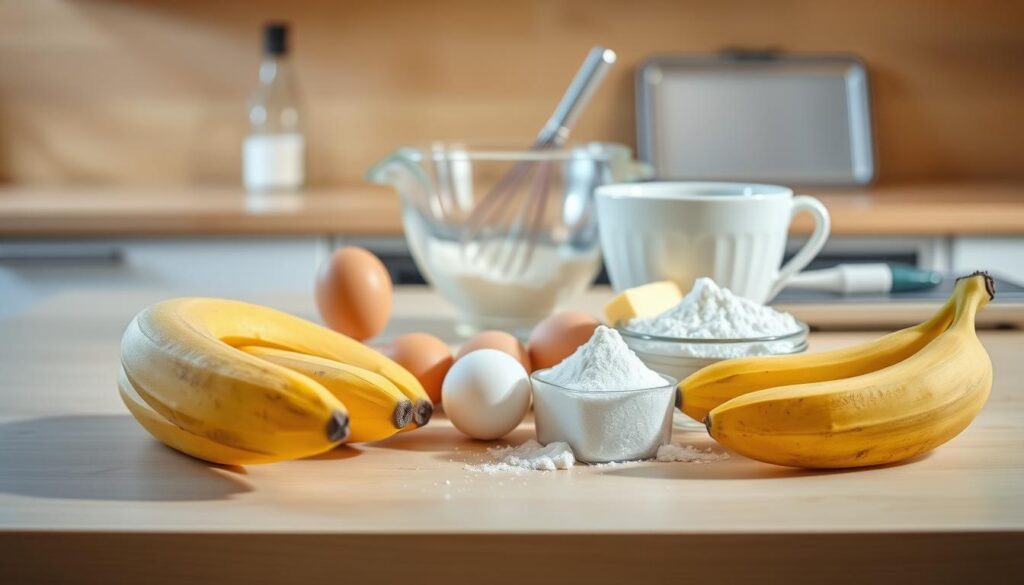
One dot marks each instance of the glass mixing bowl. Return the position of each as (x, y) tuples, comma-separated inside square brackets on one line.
[(551, 203)]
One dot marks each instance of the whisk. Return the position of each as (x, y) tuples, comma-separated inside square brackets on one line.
[(510, 254)]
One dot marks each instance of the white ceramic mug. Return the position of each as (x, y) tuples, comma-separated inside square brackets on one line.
[(734, 233)]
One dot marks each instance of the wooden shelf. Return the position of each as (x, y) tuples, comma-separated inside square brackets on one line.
[(364, 209), (924, 209), (166, 211)]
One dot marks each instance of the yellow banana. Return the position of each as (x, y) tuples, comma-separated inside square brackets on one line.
[(881, 417), (175, 359), (714, 385), (243, 324), (376, 407), (180, 439)]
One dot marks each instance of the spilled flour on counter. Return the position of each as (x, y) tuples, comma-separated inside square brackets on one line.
[(672, 453), (675, 452), (530, 456)]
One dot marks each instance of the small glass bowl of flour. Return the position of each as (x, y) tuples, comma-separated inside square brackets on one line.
[(604, 402), (708, 325)]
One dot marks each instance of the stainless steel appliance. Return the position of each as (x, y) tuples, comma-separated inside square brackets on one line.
[(795, 119)]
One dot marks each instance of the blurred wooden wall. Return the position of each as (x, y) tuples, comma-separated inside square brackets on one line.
[(153, 91)]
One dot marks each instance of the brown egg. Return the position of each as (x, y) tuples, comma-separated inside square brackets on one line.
[(353, 293), (425, 356), (499, 340), (558, 336)]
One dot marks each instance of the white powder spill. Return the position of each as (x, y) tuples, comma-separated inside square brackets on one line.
[(530, 456), (672, 453), (675, 452), (604, 362), (709, 311)]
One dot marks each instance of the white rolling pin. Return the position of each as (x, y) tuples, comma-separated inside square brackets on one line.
[(853, 279)]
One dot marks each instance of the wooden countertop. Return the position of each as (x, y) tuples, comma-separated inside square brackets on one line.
[(943, 209), (86, 493)]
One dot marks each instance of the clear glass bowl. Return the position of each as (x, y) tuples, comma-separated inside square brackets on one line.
[(441, 185), (604, 425), (678, 357)]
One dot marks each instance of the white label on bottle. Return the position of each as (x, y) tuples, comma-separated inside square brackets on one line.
[(274, 161)]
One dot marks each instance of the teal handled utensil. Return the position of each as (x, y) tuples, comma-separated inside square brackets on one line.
[(878, 278)]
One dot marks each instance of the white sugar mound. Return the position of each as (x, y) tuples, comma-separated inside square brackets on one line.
[(604, 362)]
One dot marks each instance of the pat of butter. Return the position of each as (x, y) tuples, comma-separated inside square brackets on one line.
[(642, 301)]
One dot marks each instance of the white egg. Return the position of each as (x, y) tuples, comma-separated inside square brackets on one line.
[(486, 394)]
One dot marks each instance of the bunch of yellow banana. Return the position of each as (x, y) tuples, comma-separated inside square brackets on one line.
[(236, 383), (871, 404)]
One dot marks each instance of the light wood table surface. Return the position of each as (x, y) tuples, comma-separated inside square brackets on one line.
[(86, 495), (366, 209)]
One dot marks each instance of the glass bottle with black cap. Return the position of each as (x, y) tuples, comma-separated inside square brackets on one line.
[(274, 152)]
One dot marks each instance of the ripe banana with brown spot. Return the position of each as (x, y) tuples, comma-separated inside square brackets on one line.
[(888, 415), (175, 360), (377, 409), (245, 324), (178, 438)]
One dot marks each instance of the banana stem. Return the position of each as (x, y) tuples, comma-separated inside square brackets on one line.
[(969, 297), (990, 283)]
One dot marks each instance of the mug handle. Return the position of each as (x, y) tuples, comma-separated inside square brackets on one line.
[(822, 227)]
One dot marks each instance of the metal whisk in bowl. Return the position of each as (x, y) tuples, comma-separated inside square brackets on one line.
[(440, 186), (502, 231)]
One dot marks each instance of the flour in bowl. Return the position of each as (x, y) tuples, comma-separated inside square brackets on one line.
[(709, 311), (604, 402), (604, 362)]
